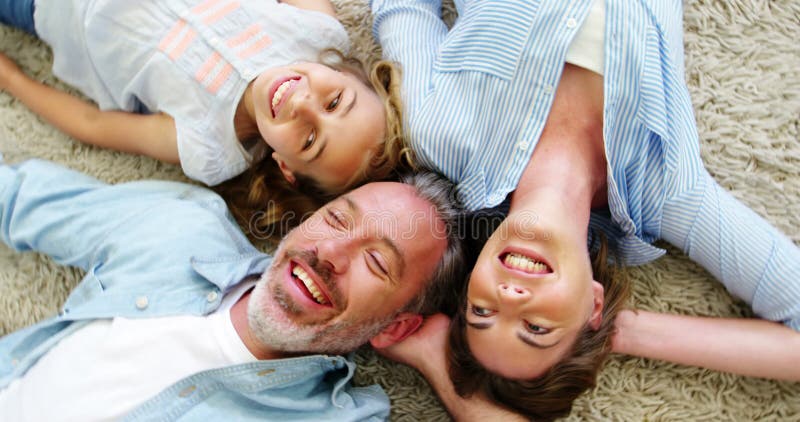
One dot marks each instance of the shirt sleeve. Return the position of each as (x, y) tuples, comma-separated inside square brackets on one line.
[(754, 261), (410, 33), (68, 215)]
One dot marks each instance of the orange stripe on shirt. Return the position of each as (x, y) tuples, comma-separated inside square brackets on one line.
[(257, 46), (219, 14), (184, 42), (167, 40), (206, 68), (204, 6), (222, 76), (245, 35)]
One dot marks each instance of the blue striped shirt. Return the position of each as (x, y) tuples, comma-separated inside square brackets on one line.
[(477, 98)]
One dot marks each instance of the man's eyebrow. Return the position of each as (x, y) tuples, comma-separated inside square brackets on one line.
[(400, 263)]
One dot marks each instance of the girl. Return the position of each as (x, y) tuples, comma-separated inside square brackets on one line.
[(203, 82), (565, 109)]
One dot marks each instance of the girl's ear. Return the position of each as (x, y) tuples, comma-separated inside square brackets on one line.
[(403, 326), (596, 317), (287, 174)]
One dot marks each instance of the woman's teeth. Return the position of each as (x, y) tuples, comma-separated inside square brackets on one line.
[(276, 99), (302, 275), (523, 263)]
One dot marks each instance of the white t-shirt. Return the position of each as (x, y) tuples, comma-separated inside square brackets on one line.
[(108, 368)]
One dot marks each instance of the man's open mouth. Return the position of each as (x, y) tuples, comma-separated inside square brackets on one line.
[(312, 290)]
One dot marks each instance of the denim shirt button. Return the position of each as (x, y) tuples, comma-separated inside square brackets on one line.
[(212, 296), (141, 302), (14, 362)]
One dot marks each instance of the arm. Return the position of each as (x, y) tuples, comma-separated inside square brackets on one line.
[(426, 351), (59, 212), (322, 6), (751, 347), (153, 135), (410, 33)]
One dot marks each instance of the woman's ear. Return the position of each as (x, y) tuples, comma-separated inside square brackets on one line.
[(287, 174), (596, 317), (403, 326)]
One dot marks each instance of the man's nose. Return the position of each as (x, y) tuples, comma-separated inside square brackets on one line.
[(513, 293), (335, 254)]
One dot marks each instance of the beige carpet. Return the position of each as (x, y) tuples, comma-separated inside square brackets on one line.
[(743, 70)]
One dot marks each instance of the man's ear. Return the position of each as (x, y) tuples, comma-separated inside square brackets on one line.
[(403, 326), (596, 317), (287, 174)]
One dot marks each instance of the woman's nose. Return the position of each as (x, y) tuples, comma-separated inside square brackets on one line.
[(510, 291)]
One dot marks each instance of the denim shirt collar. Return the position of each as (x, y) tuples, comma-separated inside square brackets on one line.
[(228, 270)]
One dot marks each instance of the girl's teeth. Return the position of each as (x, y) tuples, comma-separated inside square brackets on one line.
[(279, 93), (302, 275)]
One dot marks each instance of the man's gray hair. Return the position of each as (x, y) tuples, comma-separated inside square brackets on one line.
[(451, 267)]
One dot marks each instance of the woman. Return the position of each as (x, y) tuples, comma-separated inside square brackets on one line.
[(611, 130)]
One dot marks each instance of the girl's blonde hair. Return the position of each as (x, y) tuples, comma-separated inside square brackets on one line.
[(267, 206)]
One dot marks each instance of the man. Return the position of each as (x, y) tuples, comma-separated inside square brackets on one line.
[(180, 317)]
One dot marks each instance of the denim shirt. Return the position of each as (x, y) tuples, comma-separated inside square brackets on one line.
[(154, 249)]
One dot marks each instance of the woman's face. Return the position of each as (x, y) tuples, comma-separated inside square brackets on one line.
[(321, 123), (530, 294)]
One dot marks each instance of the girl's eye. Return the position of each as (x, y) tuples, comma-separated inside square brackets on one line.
[(310, 140), (481, 312), (333, 104), (536, 329)]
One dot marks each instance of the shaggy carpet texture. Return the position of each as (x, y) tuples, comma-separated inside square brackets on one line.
[(743, 71)]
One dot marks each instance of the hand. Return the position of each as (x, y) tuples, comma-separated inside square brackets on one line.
[(8, 69), (424, 350)]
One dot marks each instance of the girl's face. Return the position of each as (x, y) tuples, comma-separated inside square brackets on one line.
[(530, 294), (321, 123)]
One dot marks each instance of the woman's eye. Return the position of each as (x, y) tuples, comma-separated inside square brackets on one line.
[(310, 140), (536, 329), (333, 104), (481, 312)]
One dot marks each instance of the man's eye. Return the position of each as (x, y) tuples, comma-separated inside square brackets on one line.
[(333, 104), (310, 140), (336, 219), (481, 312), (536, 329), (377, 262)]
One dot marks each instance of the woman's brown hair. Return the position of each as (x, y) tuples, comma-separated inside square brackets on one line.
[(550, 395), (267, 206)]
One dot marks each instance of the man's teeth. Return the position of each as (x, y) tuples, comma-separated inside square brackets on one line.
[(279, 93), (302, 275), (523, 263)]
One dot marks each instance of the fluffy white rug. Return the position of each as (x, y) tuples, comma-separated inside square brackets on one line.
[(742, 67)]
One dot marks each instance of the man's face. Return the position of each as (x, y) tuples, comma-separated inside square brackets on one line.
[(346, 272)]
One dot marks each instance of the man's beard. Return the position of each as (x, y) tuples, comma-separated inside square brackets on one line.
[(269, 312)]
